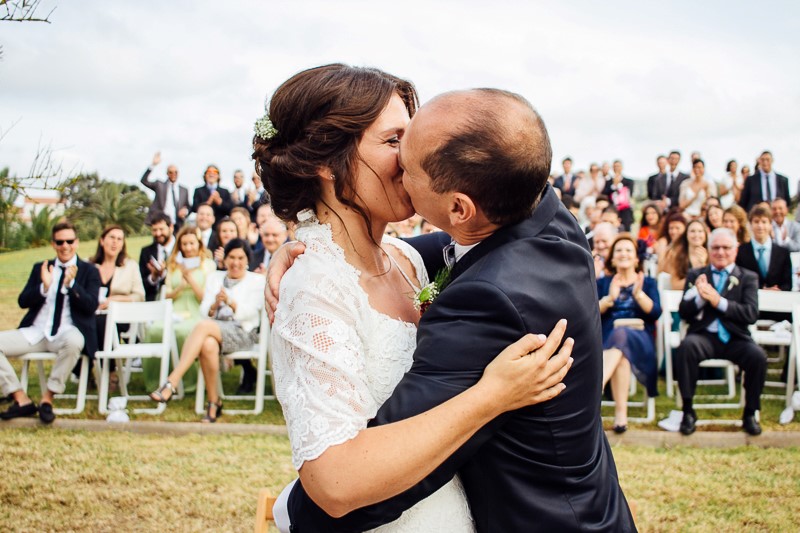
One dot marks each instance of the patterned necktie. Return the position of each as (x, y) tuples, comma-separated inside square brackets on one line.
[(723, 334), (762, 261), (59, 307)]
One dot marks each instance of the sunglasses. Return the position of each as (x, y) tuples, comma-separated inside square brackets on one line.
[(60, 242)]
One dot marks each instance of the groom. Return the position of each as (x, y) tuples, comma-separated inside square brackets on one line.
[(476, 165)]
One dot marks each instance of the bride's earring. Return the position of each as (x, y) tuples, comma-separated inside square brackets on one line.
[(332, 178)]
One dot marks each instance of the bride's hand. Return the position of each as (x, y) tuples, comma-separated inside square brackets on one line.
[(525, 373), (279, 263)]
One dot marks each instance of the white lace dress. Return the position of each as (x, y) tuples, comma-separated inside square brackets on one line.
[(336, 360)]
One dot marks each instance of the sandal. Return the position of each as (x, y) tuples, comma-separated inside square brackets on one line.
[(158, 395), (208, 419)]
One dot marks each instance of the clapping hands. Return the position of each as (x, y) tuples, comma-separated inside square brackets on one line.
[(707, 291)]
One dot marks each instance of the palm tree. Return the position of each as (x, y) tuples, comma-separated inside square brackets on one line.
[(41, 227), (113, 203)]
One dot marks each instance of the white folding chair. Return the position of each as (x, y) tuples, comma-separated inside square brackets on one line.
[(794, 367), (648, 403), (779, 302), (135, 313), (40, 357), (260, 352)]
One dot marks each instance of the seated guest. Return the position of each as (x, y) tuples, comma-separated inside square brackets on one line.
[(714, 214), (273, 233), (232, 303), (611, 216), (258, 196), (245, 229), (627, 294), (212, 194), (650, 225), (153, 258), (205, 223), (674, 226), (761, 255), (226, 232), (719, 304), (685, 253), (735, 219), (61, 299), (188, 268), (786, 232), (604, 234), (120, 281)]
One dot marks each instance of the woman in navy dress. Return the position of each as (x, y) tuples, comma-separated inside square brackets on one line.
[(628, 294)]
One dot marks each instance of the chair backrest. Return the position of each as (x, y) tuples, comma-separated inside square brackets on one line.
[(796, 321), (664, 281), (777, 301), (264, 331), (136, 313)]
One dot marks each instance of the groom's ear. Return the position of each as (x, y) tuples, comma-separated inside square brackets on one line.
[(462, 209)]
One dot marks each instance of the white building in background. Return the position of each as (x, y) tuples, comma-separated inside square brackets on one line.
[(38, 199)]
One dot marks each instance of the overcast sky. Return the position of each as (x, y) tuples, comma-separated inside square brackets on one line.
[(109, 83)]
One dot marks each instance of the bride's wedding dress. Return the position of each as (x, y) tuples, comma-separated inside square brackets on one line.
[(336, 360)]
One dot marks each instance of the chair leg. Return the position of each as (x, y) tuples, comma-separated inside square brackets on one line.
[(102, 394), (264, 513), (200, 395)]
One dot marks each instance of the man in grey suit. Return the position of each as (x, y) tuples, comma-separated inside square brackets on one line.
[(171, 199)]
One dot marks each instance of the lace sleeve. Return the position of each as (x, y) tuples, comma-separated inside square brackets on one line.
[(318, 359), (412, 255)]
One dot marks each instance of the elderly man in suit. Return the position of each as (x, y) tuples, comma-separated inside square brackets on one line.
[(520, 262), (764, 185), (719, 303), (171, 199), (785, 231), (61, 299)]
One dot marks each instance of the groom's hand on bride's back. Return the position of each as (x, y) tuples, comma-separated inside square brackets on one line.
[(527, 372), (279, 263)]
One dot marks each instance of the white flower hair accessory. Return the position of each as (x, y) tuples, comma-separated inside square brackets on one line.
[(264, 128)]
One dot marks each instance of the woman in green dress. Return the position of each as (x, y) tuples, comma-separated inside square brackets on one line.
[(188, 266)]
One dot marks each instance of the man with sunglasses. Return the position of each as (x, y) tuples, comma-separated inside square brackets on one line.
[(61, 299)]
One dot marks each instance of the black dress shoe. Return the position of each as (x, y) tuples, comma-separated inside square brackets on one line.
[(46, 413), (245, 388), (16, 410), (751, 426), (620, 429), (689, 423)]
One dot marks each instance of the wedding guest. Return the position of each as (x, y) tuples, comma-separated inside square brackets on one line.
[(590, 186), (619, 189), (761, 255), (650, 225), (232, 306), (657, 183), (567, 181), (735, 219), (273, 233), (240, 194), (427, 227), (153, 258), (120, 281), (61, 299), (258, 195), (695, 191), (745, 173), (764, 185), (187, 270), (205, 223), (630, 347), (604, 234), (719, 328), (264, 213), (171, 199), (786, 232), (686, 252), (730, 186), (212, 194), (674, 179), (226, 232), (714, 214), (674, 226), (245, 228)]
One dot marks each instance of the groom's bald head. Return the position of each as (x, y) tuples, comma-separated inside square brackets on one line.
[(488, 144)]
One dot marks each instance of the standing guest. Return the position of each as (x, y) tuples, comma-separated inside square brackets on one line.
[(719, 303), (650, 225), (714, 214), (273, 233), (695, 191), (611, 216), (628, 294), (589, 186), (620, 191), (787, 232), (153, 258), (735, 219), (764, 185), (761, 255), (240, 195), (205, 223), (674, 179), (745, 173), (605, 173), (171, 199), (231, 305), (730, 186), (566, 182), (120, 281), (226, 232), (258, 195), (212, 194), (61, 299), (657, 183), (264, 213), (686, 252), (188, 268)]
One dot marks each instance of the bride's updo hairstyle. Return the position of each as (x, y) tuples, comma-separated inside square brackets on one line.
[(318, 116)]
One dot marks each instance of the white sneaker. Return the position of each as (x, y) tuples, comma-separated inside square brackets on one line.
[(672, 422), (787, 415)]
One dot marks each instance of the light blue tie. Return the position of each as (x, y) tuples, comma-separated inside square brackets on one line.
[(722, 332), (762, 261)]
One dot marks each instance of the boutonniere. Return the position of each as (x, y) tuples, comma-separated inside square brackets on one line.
[(427, 294), (734, 281)]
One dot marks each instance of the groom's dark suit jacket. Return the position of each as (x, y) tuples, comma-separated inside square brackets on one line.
[(542, 468)]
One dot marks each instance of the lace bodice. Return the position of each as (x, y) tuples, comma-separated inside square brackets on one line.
[(335, 358)]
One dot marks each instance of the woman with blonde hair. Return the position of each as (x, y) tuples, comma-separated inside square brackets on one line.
[(735, 219)]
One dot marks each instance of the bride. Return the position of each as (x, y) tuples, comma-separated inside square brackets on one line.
[(345, 328)]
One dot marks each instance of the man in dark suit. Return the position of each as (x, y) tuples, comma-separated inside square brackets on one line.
[(764, 185), (521, 263), (719, 303), (61, 299), (171, 199), (761, 255), (657, 183), (673, 179), (212, 194), (153, 258), (566, 182)]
